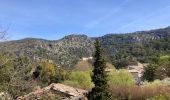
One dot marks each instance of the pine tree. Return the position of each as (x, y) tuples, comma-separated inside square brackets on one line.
[(99, 77)]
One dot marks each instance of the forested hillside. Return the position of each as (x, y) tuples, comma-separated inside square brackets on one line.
[(124, 49), (65, 52), (120, 49)]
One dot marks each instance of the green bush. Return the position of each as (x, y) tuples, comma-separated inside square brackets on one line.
[(149, 72), (82, 79), (120, 77), (79, 79), (164, 59)]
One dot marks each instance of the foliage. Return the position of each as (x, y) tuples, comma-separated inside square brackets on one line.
[(5, 70), (65, 52), (80, 79), (157, 69), (121, 63), (144, 92), (49, 72), (149, 72), (20, 78), (99, 77), (153, 84), (19, 74), (163, 70), (120, 78), (15, 75), (164, 59), (141, 51)]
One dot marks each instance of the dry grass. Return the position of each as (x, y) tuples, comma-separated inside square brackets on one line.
[(137, 92), (83, 66), (87, 66)]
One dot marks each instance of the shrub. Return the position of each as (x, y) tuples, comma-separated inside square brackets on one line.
[(120, 77), (49, 73), (164, 59), (79, 79), (82, 79), (157, 69), (6, 68), (149, 72)]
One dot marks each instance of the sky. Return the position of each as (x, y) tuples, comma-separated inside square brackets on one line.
[(54, 19)]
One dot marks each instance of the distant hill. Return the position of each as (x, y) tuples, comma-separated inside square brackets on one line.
[(65, 52), (126, 48), (136, 37)]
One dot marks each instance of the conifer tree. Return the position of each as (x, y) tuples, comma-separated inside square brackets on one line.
[(99, 77)]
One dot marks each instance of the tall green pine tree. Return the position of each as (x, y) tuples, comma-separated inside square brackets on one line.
[(99, 77)]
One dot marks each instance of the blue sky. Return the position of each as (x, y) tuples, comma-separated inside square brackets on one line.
[(53, 19)]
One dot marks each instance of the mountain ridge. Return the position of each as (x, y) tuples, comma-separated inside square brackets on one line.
[(70, 49), (168, 27)]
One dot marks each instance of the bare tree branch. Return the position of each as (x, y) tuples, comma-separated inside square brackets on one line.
[(3, 33)]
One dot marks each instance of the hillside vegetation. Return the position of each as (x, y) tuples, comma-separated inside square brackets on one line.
[(120, 49), (29, 64)]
